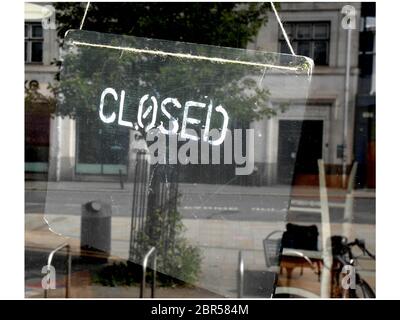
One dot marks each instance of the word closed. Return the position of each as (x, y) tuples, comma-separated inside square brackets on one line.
[(151, 112)]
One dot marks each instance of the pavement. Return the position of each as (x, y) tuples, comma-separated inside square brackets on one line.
[(220, 220), (219, 240)]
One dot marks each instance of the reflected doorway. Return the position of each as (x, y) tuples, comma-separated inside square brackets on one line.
[(297, 159)]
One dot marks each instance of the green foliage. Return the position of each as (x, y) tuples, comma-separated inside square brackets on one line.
[(37, 103), (222, 24), (177, 258), (217, 23), (236, 87), (178, 263), (118, 274)]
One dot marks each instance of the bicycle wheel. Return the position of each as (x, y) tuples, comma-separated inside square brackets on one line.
[(364, 290)]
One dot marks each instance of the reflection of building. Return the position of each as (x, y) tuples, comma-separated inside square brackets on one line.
[(315, 30), (41, 50)]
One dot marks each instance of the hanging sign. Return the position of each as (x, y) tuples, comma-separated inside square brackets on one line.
[(209, 109)]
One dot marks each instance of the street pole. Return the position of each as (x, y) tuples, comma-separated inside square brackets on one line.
[(325, 290), (58, 147), (346, 108), (348, 216)]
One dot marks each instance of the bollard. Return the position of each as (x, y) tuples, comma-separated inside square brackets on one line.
[(96, 230)]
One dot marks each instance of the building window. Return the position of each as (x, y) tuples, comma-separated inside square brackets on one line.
[(309, 39), (33, 43), (101, 149)]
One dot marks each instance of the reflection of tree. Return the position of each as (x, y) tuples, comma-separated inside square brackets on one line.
[(37, 103), (91, 70), (226, 24)]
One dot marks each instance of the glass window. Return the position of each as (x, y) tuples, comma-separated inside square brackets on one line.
[(321, 31), (37, 31), (289, 31), (308, 39), (116, 189), (321, 52), (285, 47), (101, 149), (303, 48), (304, 31), (37, 52), (33, 43)]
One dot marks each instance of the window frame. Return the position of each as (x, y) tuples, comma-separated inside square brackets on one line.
[(312, 40), (29, 39)]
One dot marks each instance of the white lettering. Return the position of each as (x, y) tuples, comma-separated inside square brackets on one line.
[(103, 118), (174, 121), (141, 115), (186, 119), (173, 129), (121, 111)]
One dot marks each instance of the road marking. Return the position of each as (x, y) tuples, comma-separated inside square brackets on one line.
[(53, 204), (317, 204), (206, 208), (74, 205), (217, 208), (268, 209), (304, 209)]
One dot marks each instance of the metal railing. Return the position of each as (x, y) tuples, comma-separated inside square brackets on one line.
[(68, 267), (240, 275), (144, 264)]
